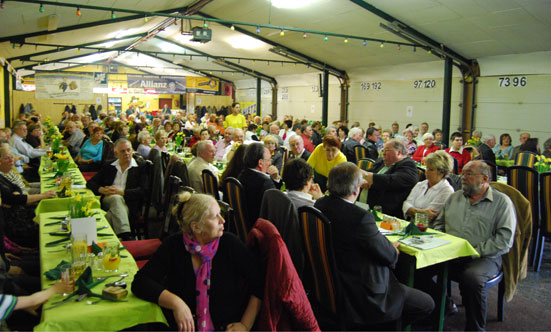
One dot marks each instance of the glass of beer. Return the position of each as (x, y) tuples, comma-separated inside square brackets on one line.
[(79, 250)]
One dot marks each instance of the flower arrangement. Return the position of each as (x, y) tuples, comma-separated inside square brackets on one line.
[(179, 138), (62, 162), (56, 142), (543, 164), (81, 206), (473, 141)]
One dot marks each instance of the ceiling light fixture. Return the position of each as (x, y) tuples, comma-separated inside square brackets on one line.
[(282, 33), (232, 27), (41, 9), (205, 25), (399, 47), (304, 35), (365, 43), (257, 29), (326, 38), (113, 16), (382, 45), (346, 40)]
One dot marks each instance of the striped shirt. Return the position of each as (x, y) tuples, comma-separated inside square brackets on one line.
[(7, 305)]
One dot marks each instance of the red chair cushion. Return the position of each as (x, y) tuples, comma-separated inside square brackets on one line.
[(141, 263), (142, 249)]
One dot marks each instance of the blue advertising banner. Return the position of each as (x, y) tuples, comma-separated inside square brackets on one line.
[(161, 84)]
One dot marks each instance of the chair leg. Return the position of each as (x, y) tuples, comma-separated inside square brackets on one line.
[(534, 246), (501, 301), (450, 288), (539, 253)]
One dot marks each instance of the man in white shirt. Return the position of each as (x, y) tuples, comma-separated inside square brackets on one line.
[(205, 156), (74, 141), (223, 144), (24, 148)]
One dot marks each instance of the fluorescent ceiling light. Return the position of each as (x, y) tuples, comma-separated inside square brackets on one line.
[(244, 42), (291, 4), (123, 33), (169, 47)]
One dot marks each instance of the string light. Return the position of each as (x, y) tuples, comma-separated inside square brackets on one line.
[(145, 19), (257, 29), (282, 33), (41, 9), (399, 47), (113, 16), (382, 45), (205, 24), (304, 35), (429, 52), (78, 50), (326, 38), (232, 27), (78, 13), (346, 40)]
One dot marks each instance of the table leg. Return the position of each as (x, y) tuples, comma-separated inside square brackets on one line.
[(442, 282)]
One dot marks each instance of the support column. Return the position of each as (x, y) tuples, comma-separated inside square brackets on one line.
[(344, 99), (469, 101), (325, 98), (7, 95), (446, 103), (274, 102), (258, 95)]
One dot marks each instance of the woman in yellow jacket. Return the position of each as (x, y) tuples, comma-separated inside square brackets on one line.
[(326, 156)]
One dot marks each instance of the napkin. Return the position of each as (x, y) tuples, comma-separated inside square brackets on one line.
[(411, 230), (55, 273)]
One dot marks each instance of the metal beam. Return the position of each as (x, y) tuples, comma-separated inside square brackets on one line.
[(7, 99), (56, 60), (185, 67), (258, 95), (21, 38), (325, 98)]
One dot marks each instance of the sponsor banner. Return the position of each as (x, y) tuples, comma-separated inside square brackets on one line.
[(203, 84), (160, 84), (100, 80), (64, 85), (248, 107)]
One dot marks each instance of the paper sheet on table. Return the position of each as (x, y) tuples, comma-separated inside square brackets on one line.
[(424, 242), (387, 231), (85, 226), (78, 186)]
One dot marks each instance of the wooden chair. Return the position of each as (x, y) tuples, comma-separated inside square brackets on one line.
[(493, 169), (525, 179), (365, 163), (227, 213), (234, 195), (321, 280), (139, 227), (360, 152), (525, 158), (174, 183), (210, 184), (421, 174), (545, 226)]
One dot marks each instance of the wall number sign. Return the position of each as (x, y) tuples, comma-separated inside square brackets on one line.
[(426, 84), (373, 85), (505, 82)]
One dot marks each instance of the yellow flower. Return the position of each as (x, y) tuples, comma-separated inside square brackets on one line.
[(548, 160), (539, 157), (78, 198)]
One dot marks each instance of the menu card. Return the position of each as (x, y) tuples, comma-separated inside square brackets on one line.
[(424, 242)]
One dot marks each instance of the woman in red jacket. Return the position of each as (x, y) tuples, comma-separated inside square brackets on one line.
[(424, 150)]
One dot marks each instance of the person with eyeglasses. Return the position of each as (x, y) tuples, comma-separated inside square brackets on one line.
[(486, 218)]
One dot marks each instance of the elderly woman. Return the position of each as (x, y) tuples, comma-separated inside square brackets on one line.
[(176, 128), (277, 155), (426, 149), (298, 177), (35, 136), (196, 273), (547, 148), (411, 145), (18, 203), (429, 196), (504, 150), (161, 139), (144, 137), (89, 156), (325, 156)]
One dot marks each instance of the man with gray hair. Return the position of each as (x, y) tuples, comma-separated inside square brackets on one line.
[(274, 131), (486, 148), (391, 179), (296, 145), (486, 218), (355, 134), (205, 156), (365, 258), (222, 145)]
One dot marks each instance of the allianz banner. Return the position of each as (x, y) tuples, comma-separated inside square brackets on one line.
[(161, 84)]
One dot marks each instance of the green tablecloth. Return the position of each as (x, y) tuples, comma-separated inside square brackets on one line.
[(457, 248), (505, 162), (104, 316), (43, 159)]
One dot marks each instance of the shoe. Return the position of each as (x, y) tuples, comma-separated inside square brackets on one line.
[(451, 308)]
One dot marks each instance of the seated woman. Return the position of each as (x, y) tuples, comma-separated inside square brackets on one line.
[(277, 155), (298, 177), (176, 128), (160, 140), (35, 136), (325, 156), (235, 164), (426, 149), (343, 133), (89, 156), (411, 145), (196, 136), (168, 127), (145, 143), (214, 133), (17, 204), (178, 276), (429, 196), (438, 136), (504, 150)]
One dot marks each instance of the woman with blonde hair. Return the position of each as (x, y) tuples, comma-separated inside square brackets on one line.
[(196, 273), (277, 155)]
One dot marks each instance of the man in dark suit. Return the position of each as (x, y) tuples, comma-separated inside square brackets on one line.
[(392, 179), (364, 257), (355, 137), (486, 148), (121, 186), (372, 137), (257, 176), (296, 143)]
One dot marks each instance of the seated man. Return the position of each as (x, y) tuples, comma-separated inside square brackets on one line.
[(486, 218), (121, 186), (25, 149), (372, 135), (205, 155), (457, 151), (306, 134), (223, 144), (257, 176), (296, 144), (365, 257), (486, 148), (392, 179), (298, 176), (355, 137), (74, 141)]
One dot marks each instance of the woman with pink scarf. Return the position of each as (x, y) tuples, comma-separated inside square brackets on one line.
[(197, 273)]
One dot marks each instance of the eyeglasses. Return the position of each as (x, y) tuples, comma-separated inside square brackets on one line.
[(468, 174)]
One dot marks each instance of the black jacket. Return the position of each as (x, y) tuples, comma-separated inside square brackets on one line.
[(372, 151), (486, 153), (391, 189), (255, 184), (348, 150), (364, 259)]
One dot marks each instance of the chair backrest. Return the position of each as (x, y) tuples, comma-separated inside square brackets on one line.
[(227, 213), (360, 152), (421, 174), (365, 163), (234, 195), (455, 166), (545, 203), (108, 154), (165, 158), (174, 184), (525, 158), (320, 275), (526, 180), (210, 184), (493, 169)]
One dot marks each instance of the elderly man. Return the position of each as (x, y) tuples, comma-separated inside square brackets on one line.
[(392, 179), (355, 138), (74, 141), (372, 135), (222, 145), (486, 218), (523, 138), (486, 148), (306, 133), (365, 257), (25, 149), (205, 155), (121, 186), (257, 176), (296, 145), (396, 130), (20, 160), (274, 131)]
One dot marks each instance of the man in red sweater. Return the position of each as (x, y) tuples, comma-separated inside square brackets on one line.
[(457, 151), (306, 133)]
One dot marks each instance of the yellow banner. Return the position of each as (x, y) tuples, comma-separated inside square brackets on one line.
[(202, 83)]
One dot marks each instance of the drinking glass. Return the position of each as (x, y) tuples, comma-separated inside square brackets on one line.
[(378, 210), (79, 250), (49, 152), (111, 257), (68, 277), (421, 221)]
